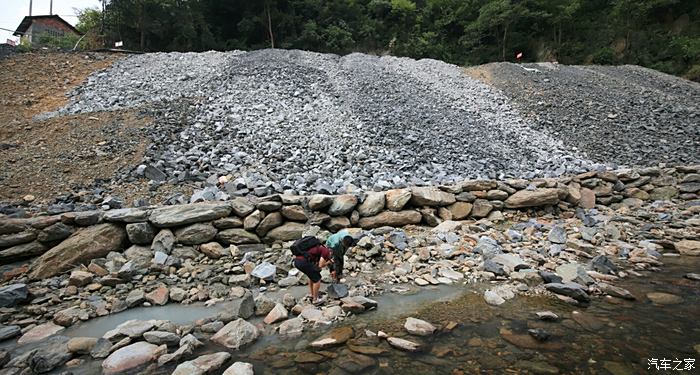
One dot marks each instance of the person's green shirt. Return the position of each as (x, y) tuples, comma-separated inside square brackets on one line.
[(334, 242)]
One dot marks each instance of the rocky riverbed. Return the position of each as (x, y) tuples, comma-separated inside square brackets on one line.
[(234, 255)]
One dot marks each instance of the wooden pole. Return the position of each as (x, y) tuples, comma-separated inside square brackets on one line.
[(30, 8)]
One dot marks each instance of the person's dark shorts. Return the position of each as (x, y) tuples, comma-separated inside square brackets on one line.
[(308, 268)]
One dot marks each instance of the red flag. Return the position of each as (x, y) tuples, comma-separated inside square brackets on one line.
[(519, 55), (11, 42)]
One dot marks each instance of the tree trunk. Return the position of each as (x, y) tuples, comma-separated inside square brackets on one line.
[(142, 26), (269, 26), (505, 38)]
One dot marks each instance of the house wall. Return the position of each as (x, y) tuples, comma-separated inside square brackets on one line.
[(50, 26)]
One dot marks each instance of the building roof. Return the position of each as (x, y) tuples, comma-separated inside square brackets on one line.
[(27, 21)]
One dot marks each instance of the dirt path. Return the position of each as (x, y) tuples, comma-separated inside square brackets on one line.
[(48, 158)]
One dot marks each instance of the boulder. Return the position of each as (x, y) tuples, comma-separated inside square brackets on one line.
[(391, 218), (13, 295), (80, 278), (615, 291), (127, 215), (430, 196), (140, 233), (511, 262), (195, 234), (533, 198), (295, 213), (130, 358), (251, 221), (269, 222), (373, 204), (243, 307), (557, 235), (278, 313), (288, 231), (228, 222), (481, 208), (403, 344), (573, 290), (81, 345), (213, 250), (131, 328), (236, 334), (337, 223), (205, 364), (478, 185), (39, 333), (158, 296), (68, 317), (587, 199), (162, 338), (492, 298), (8, 332), (242, 207), (163, 241), (237, 236), (292, 327), (84, 245), (318, 202), (173, 216), (602, 264), (23, 251), (460, 210), (419, 327), (240, 368), (335, 337), (688, 247), (396, 199), (342, 205), (13, 239), (49, 355), (574, 272)]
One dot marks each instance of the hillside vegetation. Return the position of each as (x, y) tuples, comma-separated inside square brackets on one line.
[(659, 34)]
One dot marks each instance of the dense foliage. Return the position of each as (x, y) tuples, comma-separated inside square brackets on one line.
[(661, 34)]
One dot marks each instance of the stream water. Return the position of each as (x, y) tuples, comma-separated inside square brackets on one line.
[(611, 336)]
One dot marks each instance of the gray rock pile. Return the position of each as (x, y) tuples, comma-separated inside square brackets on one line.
[(281, 121)]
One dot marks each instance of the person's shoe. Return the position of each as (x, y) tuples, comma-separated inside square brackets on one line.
[(320, 301)]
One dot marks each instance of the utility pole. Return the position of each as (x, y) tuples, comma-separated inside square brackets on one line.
[(30, 8), (50, 7)]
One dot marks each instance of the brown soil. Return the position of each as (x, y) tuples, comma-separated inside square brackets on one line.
[(51, 157)]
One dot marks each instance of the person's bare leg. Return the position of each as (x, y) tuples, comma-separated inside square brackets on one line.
[(311, 290), (315, 287)]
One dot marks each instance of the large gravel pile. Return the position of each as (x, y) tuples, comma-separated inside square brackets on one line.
[(292, 120), (627, 115)]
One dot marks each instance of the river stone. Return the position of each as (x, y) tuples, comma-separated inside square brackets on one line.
[(23, 251), (67, 317), (574, 272), (13, 239), (335, 337), (528, 342), (396, 199), (84, 245), (688, 247), (14, 294), (131, 328), (195, 234), (39, 333), (460, 210), (533, 198), (203, 364), (294, 212), (663, 193), (547, 316), (251, 221), (173, 216), (557, 235), (342, 205), (419, 327), (431, 196), (292, 327), (269, 222), (488, 247), (228, 222), (240, 368), (130, 358), (8, 332), (127, 215), (243, 307), (50, 354), (492, 298), (391, 218), (213, 250), (242, 207), (615, 291), (602, 264), (587, 321), (140, 233), (287, 232), (278, 313), (354, 363), (318, 202), (573, 290), (236, 334), (337, 291), (237, 236), (494, 268), (81, 345), (661, 298), (162, 337), (163, 241), (373, 204), (308, 357), (158, 296), (9, 226), (80, 278), (511, 262), (403, 344)]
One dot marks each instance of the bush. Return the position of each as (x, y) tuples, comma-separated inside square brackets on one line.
[(693, 73), (604, 56)]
